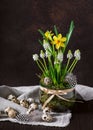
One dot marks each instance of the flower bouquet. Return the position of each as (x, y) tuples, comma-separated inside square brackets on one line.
[(57, 81)]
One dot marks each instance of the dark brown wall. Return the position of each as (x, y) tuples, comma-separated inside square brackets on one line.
[(19, 22)]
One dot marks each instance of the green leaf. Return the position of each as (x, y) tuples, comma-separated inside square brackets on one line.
[(55, 30), (41, 32), (40, 42), (70, 32), (68, 35)]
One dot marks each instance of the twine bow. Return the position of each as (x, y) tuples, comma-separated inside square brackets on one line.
[(58, 93)]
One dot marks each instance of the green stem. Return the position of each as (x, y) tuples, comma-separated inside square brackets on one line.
[(52, 72), (46, 69), (66, 68), (45, 64), (39, 66), (53, 51), (71, 65), (58, 72), (42, 64), (67, 65)]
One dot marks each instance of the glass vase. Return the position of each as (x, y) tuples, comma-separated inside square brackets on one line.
[(59, 102)]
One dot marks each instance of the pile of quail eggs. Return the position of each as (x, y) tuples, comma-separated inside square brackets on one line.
[(31, 105)]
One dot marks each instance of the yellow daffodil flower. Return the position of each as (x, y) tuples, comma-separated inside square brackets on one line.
[(58, 41), (49, 35)]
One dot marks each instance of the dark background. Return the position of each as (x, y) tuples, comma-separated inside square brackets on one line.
[(19, 22)]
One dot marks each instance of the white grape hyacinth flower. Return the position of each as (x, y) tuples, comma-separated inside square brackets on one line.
[(48, 54), (46, 45), (77, 54), (69, 54), (42, 54), (35, 57), (60, 56)]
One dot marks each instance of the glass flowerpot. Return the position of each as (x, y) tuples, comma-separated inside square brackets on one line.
[(57, 100)]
